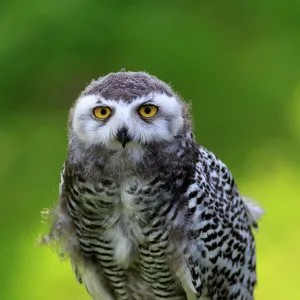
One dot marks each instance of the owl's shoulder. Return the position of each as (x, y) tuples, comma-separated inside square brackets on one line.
[(213, 187)]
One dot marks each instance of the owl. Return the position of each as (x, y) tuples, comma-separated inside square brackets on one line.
[(144, 212)]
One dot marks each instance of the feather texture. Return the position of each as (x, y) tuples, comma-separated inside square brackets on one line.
[(161, 218)]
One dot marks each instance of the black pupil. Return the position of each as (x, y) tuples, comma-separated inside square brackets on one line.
[(147, 110), (103, 111)]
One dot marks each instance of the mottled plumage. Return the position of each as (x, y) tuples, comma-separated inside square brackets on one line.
[(145, 212)]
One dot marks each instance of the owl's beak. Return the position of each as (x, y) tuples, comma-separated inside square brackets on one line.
[(122, 136)]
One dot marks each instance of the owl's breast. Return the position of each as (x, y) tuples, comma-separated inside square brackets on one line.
[(127, 232), (112, 212)]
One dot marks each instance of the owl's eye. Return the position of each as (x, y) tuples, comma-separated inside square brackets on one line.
[(148, 111), (101, 112)]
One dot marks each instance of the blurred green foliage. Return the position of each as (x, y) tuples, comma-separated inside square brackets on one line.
[(237, 61)]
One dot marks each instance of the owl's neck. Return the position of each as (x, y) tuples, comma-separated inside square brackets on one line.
[(143, 160)]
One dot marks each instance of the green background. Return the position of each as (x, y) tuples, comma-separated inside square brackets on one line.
[(238, 62)]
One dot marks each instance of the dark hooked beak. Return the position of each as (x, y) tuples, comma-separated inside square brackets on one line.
[(122, 136)]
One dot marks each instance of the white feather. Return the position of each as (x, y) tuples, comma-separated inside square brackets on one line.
[(162, 127), (94, 285), (185, 278), (254, 211)]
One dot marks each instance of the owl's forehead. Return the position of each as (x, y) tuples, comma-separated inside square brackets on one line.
[(127, 86)]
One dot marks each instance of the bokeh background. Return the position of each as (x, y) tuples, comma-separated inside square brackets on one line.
[(237, 61)]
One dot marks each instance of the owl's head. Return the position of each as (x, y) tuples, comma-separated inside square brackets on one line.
[(125, 109)]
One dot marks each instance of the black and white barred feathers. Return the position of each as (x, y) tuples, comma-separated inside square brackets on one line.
[(144, 212)]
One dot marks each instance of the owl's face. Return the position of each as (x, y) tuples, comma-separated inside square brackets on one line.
[(131, 118), (117, 124)]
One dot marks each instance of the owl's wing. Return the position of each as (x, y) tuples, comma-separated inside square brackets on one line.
[(62, 235), (220, 251)]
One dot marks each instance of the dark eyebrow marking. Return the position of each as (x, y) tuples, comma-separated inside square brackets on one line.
[(148, 102)]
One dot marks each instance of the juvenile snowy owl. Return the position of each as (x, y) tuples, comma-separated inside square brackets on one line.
[(144, 212)]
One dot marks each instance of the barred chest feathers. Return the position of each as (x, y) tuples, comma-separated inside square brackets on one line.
[(117, 212)]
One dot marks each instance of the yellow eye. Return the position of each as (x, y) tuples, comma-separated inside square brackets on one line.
[(148, 111), (102, 112)]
